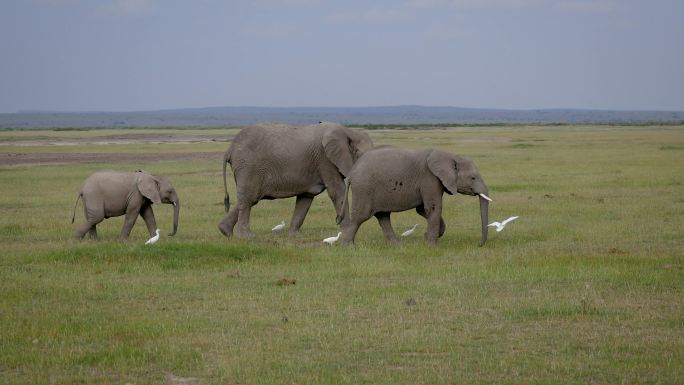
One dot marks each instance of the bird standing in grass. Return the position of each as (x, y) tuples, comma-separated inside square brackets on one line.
[(409, 231), (154, 239), (500, 225), (279, 226), (332, 240)]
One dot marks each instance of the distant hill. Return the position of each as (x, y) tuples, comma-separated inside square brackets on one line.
[(237, 116)]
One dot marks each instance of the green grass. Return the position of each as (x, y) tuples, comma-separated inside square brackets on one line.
[(586, 287)]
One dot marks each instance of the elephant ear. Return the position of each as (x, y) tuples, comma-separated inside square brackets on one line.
[(337, 149), (148, 187), (443, 166)]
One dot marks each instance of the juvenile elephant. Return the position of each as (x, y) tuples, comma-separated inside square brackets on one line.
[(272, 161), (109, 194), (389, 179)]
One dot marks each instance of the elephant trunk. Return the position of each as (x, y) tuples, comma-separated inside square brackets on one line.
[(484, 216), (343, 216), (176, 210)]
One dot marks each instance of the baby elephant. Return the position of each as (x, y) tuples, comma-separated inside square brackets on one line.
[(109, 194), (389, 179)]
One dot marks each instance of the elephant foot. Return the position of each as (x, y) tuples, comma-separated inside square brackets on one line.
[(346, 240), (225, 231), (431, 240), (294, 233), (391, 238)]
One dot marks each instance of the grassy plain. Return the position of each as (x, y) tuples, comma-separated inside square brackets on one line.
[(586, 287)]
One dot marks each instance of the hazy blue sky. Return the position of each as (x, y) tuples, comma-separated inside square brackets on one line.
[(114, 55)]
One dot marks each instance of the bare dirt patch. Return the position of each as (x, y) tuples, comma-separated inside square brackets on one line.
[(118, 139), (18, 157), (11, 159)]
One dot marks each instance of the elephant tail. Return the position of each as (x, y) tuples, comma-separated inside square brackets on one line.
[(73, 216), (226, 199), (340, 217)]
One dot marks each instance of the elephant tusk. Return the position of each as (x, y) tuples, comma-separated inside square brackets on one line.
[(485, 197), (174, 204)]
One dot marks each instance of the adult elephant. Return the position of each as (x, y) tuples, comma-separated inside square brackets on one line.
[(109, 194), (390, 179), (272, 161)]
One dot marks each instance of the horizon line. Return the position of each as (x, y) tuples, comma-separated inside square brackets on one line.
[(49, 111)]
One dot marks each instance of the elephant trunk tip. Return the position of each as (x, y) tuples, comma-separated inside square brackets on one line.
[(176, 210), (484, 217)]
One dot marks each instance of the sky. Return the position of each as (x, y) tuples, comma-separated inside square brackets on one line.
[(132, 55)]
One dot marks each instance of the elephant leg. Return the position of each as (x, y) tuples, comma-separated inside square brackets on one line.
[(244, 211), (129, 221), (433, 212), (442, 226), (349, 232), (360, 212), (248, 195), (228, 222), (93, 216), (335, 188), (350, 229), (87, 227), (302, 205), (386, 225), (148, 216), (92, 233)]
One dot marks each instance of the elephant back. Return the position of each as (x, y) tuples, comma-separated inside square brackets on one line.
[(276, 149)]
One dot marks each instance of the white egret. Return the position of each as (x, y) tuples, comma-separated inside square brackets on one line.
[(154, 239), (279, 226), (500, 225), (332, 240), (409, 231)]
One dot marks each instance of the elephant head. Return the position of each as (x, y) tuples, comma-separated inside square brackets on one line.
[(159, 190), (344, 146), (459, 175)]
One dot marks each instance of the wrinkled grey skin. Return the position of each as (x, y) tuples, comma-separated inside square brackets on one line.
[(389, 179), (272, 161), (109, 194)]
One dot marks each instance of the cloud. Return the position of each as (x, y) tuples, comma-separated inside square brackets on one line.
[(446, 32), (126, 7), (299, 3), (272, 31), (286, 3), (477, 4), (579, 6), (56, 2), (596, 6), (374, 15)]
